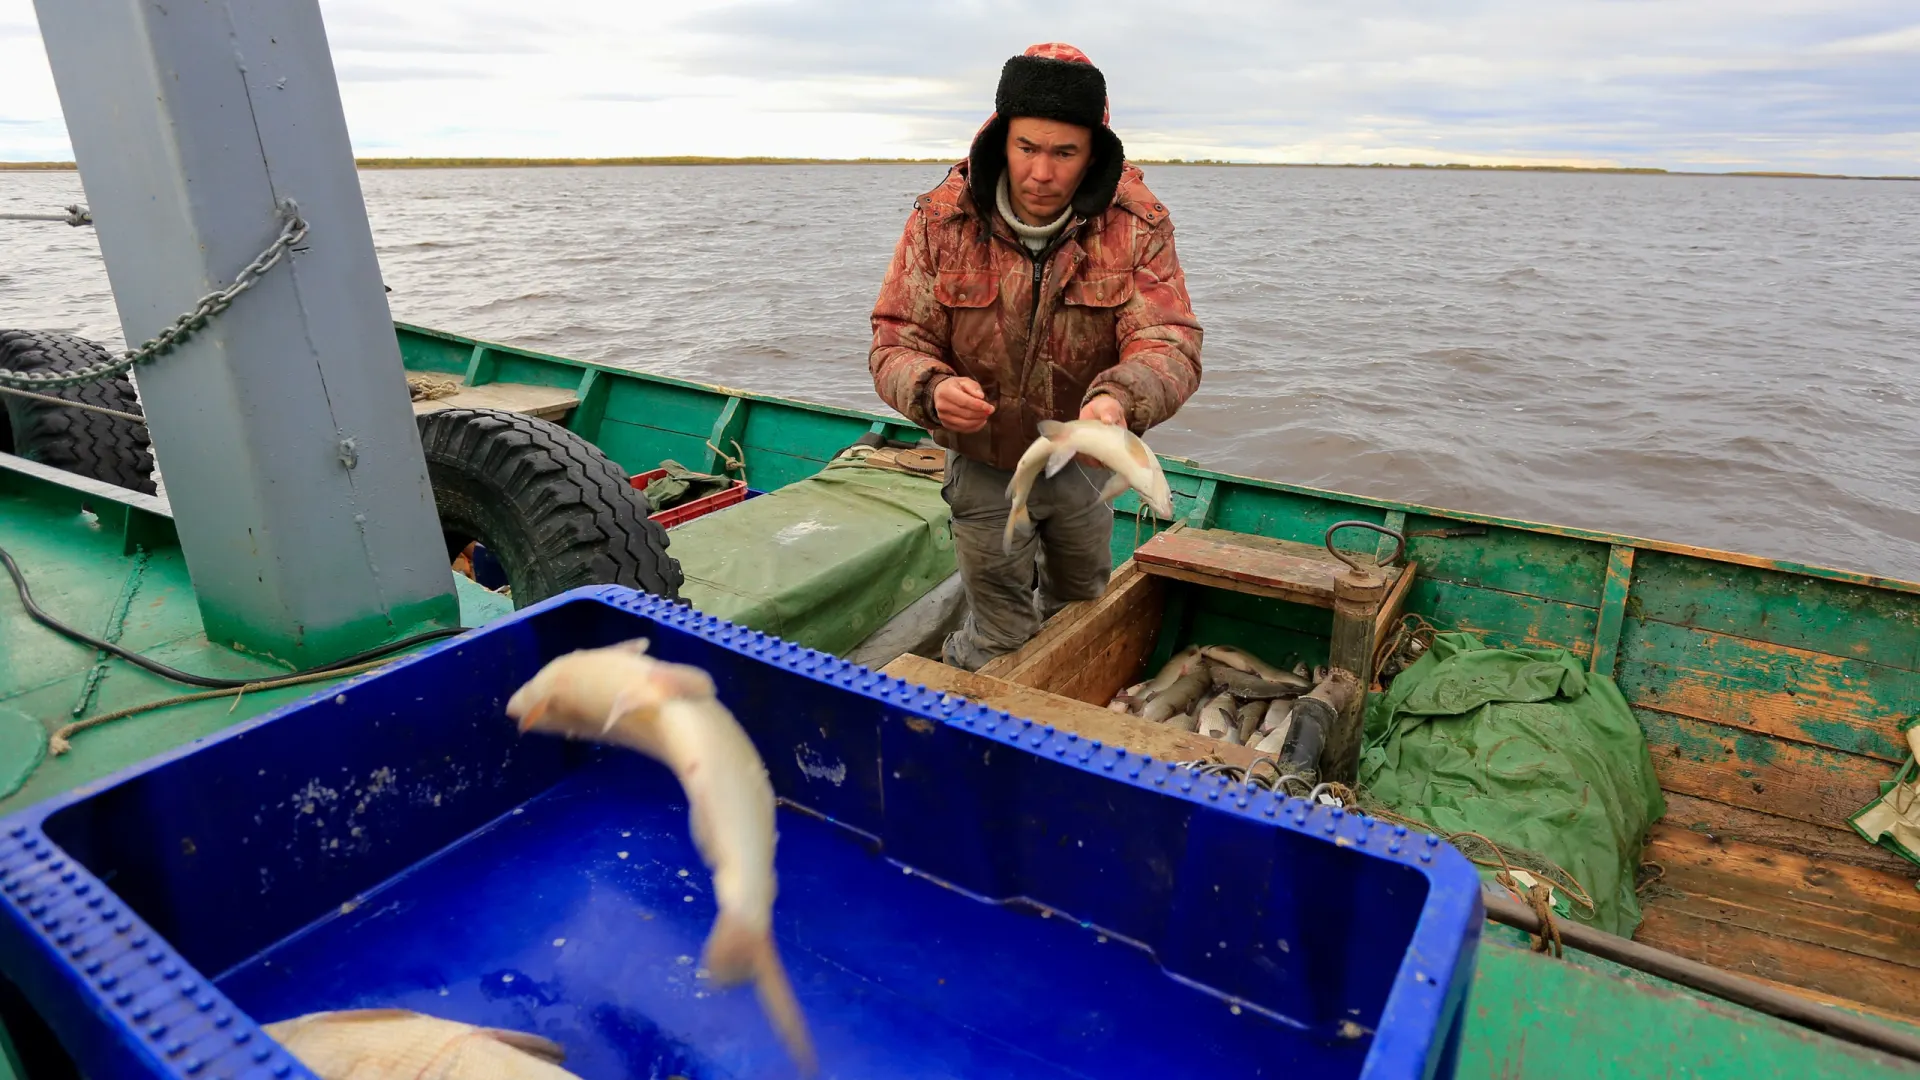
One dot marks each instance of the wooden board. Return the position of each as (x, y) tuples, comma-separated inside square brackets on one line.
[(1876, 984), (1393, 605), (1092, 650), (1088, 721), (1281, 569), (1774, 776), (1850, 909), (1829, 844), (545, 402)]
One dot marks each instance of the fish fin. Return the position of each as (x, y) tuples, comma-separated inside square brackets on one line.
[(1136, 449), (350, 1016), (783, 1010), (683, 681), (528, 1043), (736, 953), (1116, 486), (638, 646), (1052, 429), (1061, 458), (629, 700), (534, 713)]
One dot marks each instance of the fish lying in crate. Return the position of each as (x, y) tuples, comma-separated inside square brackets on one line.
[(1229, 694)]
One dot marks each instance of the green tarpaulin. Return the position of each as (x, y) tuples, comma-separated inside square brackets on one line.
[(1526, 748), (821, 562)]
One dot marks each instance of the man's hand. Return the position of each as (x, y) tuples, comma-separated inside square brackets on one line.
[(1106, 410), (961, 405)]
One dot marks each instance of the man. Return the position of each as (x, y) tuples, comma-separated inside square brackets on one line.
[(1038, 282)]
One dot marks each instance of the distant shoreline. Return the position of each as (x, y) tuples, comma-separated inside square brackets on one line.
[(552, 163)]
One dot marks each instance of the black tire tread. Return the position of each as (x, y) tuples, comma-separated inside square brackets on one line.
[(106, 448), (574, 511)]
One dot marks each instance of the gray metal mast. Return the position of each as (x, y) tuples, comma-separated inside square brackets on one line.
[(283, 427)]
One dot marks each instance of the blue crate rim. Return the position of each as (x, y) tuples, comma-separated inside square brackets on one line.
[(1421, 983)]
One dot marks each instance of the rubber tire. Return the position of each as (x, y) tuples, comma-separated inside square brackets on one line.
[(555, 511), (106, 448)]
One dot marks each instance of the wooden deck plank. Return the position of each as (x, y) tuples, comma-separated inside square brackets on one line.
[(1848, 909), (545, 402), (1774, 776), (1088, 721), (1841, 702), (1875, 984), (1242, 562), (1828, 843)]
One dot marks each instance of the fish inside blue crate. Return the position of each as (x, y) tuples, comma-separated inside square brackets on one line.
[(621, 696), (398, 1044)]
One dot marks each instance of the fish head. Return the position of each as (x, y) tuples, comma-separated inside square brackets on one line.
[(573, 695), (1152, 485)]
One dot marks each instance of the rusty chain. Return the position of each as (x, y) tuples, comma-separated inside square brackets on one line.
[(293, 229)]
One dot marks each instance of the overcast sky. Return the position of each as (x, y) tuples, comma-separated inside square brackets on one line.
[(1816, 85)]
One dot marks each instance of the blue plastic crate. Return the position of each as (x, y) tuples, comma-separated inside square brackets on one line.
[(395, 842)]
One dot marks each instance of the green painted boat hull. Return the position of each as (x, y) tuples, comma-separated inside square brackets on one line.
[(1769, 692)]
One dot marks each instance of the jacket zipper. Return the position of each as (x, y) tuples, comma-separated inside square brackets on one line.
[(1039, 278)]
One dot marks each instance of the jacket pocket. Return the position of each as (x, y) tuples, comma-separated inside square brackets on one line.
[(1100, 289), (966, 288)]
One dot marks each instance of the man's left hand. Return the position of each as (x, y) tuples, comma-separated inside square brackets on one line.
[(1106, 410)]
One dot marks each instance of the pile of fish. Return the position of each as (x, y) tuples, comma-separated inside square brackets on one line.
[(1223, 693)]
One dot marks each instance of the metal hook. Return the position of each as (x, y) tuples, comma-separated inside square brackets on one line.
[(1399, 541)]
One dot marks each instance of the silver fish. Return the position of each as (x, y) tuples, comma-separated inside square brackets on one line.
[(1183, 722), (1121, 451), (668, 712), (1272, 742), (1247, 719), (1216, 717), (1184, 692), (398, 1044), (1279, 712), (1245, 686), (1182, 662), (1241, 660), (1130, 699)]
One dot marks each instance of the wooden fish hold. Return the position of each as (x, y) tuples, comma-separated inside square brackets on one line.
[(398, 1044)]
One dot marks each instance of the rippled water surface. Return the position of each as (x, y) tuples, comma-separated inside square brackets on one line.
[(1721, 361)]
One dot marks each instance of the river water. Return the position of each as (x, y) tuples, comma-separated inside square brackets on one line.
[(1732, 362)]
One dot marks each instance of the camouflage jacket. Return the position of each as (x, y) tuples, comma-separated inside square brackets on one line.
[(1103, 311)]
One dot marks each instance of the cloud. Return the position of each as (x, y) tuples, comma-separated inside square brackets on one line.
[(402, 73), (1675, 83)]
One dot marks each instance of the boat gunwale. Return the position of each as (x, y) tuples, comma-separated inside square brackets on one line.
[(1187, 467)]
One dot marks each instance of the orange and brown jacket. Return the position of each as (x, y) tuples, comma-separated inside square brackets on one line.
[(1103, 310)]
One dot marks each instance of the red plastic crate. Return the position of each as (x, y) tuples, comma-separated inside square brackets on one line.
[(685, 512)]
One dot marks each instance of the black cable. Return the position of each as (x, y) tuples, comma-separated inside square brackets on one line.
[(34, 612)]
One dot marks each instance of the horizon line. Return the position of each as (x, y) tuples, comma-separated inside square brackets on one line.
[(671, 160)]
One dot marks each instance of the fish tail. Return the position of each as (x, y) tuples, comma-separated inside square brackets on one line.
[(783, 1009), (736, 953), (1017, 518)]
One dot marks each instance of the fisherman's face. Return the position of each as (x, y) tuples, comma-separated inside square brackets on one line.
[(1045, 161)]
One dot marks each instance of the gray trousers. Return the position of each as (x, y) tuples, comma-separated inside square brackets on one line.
[(1068, 556)]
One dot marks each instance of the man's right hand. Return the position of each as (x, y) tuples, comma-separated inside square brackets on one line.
[(961, 405)]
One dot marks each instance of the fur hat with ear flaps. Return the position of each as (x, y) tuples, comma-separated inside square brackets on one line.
[(1054, 82)]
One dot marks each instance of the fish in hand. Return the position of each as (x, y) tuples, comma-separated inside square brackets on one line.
[(1132, 463)]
